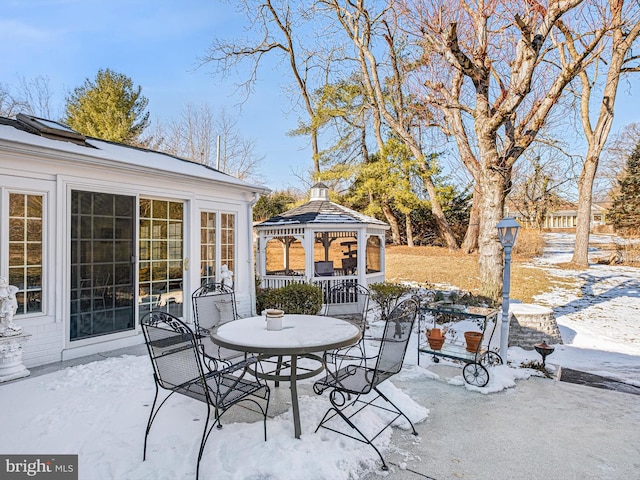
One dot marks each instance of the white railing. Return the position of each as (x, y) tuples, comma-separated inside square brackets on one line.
[(278, 281), (375, 278)]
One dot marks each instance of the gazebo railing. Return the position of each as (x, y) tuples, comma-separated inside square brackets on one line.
[(326, 283), (277, 281), (377, 277)]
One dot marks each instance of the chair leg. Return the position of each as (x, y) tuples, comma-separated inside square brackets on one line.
[(339, 403), (205, 436), (217, 419), (398, 410), (363, 438), (152, 417), (149, 422), (264, 412)]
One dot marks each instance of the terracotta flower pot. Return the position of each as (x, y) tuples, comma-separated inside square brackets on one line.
[(434, 332), (435, 338), (473, 340), (435, 343)]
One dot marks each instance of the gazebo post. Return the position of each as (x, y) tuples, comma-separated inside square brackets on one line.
[(287, 243)]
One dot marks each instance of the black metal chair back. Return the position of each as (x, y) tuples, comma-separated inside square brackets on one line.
[(213, 303), (356, 380), (337, 301), (178, 368), (395, 340), (344, 294), (172, 349)]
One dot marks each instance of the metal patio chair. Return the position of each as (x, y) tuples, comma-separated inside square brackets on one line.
[(350, 382), (178, 368), (214, 304), (337, 298)]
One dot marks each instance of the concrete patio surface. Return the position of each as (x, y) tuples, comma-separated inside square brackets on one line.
[(541, 429)]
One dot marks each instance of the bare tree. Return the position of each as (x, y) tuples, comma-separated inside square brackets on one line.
[(9, 105), (237, 153), (214, 140), (612, 164), (192, 135), (276, 26), (489, 71), (598, 90), (383, 79), (539, 181), (36, 94), (31, 96)]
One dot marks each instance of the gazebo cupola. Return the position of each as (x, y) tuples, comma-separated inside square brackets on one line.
[(320, 241), (319, 192)]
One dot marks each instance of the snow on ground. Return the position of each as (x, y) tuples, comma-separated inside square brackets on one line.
[(99, 410), (600, 319)]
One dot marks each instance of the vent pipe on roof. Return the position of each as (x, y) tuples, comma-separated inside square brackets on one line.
[(218, 153)]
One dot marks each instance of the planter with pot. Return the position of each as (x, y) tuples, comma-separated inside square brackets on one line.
[(473, 340), (436, 338)]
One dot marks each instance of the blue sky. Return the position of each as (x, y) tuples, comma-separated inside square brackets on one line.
[(157, 44)]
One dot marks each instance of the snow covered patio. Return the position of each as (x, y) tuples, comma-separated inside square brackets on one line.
[(520, 426), (539, 429)]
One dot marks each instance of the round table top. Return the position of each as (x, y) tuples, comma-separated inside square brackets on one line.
[(300, 334)]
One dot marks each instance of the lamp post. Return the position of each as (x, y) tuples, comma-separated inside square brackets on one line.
[(507, 232)]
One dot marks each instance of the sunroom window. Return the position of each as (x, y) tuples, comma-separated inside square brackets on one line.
[(25, 250)]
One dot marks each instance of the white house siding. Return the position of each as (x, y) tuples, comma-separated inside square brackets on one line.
[(46, 344), (35, 165)]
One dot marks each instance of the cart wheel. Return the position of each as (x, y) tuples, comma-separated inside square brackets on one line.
[(491, 359), (475, 374), (435, 359)]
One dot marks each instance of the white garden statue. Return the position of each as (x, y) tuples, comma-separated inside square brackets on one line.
[(8, 308), (226, 276)]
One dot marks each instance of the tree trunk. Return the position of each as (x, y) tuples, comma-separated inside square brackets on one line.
[(583, 227), (492, 185), (443, 226), (470, 243), (315, 151), (409, 229), (393, 222)]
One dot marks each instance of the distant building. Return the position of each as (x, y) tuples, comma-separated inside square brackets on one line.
[(563, 217)]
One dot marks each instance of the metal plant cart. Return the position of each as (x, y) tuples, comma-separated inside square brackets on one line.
[(446, 315)]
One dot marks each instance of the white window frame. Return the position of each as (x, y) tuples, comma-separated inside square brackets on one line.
[(4, 243)]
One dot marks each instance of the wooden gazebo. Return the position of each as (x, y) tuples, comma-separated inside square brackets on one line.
[(320, 242)]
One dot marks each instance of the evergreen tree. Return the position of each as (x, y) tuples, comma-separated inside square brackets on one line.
[(625, 212), (109, 108), (273, 204)]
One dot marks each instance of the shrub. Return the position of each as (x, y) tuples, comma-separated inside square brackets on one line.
[(302, 298), (529, 244), (387, 294)]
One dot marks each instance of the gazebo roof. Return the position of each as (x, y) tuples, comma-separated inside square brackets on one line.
[(319, 210)]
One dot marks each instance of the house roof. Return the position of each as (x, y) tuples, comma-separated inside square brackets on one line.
[(17, 133), (319, 210)]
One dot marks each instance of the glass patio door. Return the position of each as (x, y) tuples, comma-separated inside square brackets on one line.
[(161, 273), (102, 264)]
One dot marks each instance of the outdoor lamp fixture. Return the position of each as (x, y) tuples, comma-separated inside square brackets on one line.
[(507, 232)]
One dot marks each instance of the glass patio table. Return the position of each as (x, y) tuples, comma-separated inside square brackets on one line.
[(301, 336)]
